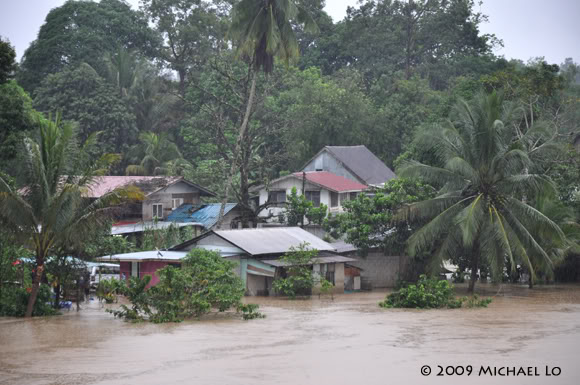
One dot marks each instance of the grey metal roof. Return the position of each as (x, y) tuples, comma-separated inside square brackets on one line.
[(272, 240), (363, 163), (142, 226), (343, 247), (155, 255), (328, 259)]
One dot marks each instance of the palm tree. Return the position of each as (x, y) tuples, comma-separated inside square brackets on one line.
[(155, 155), (262, 30), (49, 212), (487, 179)]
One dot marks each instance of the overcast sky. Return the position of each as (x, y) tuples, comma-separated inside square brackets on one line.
[(529, 28)]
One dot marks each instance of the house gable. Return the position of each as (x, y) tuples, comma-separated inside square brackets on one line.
[(353, 162)]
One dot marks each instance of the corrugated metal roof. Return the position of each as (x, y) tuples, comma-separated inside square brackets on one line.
[(343, 247), (329, 259), (147, 184), (273, 240), (207, 215), (331, 181), (142, 226), (155, 255)]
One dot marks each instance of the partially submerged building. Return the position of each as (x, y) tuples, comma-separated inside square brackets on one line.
[(258, 253)]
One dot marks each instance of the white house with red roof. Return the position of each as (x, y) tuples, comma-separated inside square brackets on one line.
[(317, 186)]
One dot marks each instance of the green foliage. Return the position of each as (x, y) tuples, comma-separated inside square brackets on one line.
[(83, 32), (474, 301), (136, 293), (108, 289), (87, 99), (368, 221), (427, 293), (51, 214), (298, 208), (298, 278), (487, 175), (205, 282), (7, 61), (155, 155), (166, 238), (263, 30), (16, 121), (250, 311), (14, 300)]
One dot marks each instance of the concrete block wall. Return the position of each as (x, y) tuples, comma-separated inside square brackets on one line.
[(381, 270)]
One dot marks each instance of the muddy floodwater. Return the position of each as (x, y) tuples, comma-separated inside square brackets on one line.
[(348, 340)]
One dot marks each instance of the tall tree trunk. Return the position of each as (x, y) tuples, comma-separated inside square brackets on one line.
[(35, 285), (182, 74), (244, 189), (57, 296), (237, 149), (474, 267)]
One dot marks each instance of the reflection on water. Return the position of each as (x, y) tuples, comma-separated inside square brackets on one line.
[(348, 340)]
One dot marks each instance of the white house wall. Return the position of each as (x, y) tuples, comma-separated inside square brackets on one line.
[(182, 190), (286, 185)]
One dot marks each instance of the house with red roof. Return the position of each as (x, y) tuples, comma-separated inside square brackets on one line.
[(317, 186)]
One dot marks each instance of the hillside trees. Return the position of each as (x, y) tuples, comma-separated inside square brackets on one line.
[(191, 31), (86, 98), (7, 61), (82, 32), (262, 32)]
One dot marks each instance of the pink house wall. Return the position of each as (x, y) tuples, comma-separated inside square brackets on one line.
[(145, 268)]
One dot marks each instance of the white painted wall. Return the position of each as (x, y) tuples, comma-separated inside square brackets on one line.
[(188, 193)]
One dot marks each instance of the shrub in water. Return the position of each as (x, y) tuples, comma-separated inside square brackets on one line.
[(13, 302), (427, 293)]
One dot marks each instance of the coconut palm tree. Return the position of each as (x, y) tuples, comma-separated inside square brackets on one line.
[(262, 31), (49, 211), (155, 155), (487, 179)]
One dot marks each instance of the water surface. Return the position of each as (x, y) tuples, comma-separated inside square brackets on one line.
[(348, 340)]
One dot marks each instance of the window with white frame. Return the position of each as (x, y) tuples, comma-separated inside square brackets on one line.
[(176, 202), (158, 210)]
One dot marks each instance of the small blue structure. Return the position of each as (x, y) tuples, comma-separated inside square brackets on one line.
[(206, 214)]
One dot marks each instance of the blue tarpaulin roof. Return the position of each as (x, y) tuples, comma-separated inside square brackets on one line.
[(207, 214)]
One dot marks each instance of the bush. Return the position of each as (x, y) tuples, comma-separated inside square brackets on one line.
[(427, 293), (108, 289), (474, 301), (137, 295), (205, 281), (13, 302), (250, 311), (430, 293), (299, 279)]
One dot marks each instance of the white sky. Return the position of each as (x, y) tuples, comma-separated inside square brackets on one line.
[(529, 28)]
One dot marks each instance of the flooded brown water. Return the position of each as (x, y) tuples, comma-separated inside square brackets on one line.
[(346, 341)]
